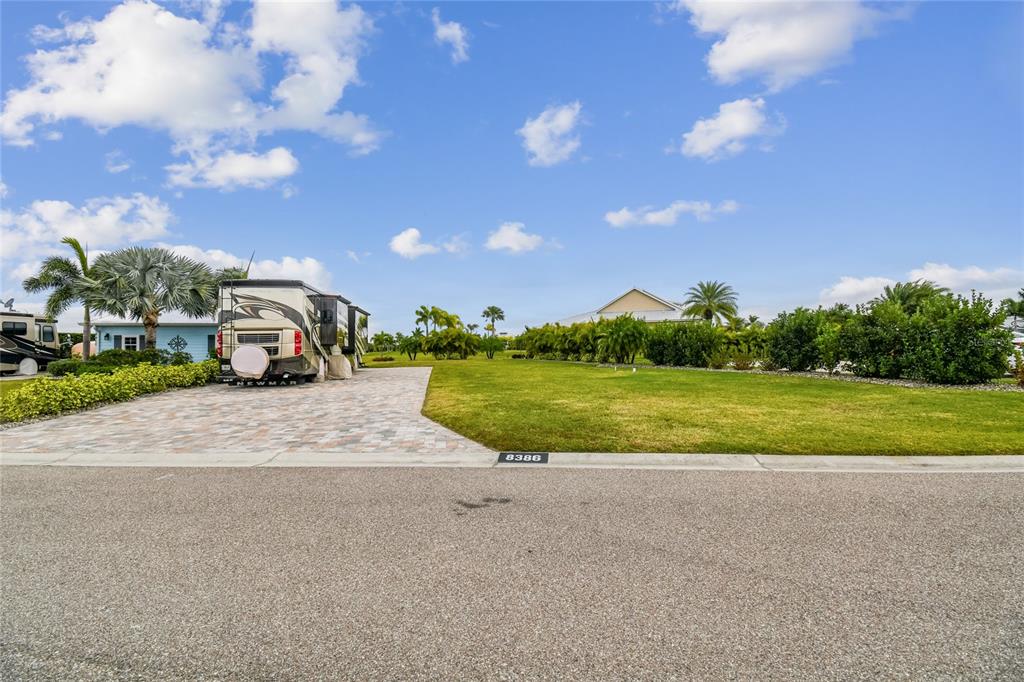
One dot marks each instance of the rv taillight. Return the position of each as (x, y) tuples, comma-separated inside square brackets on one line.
[(220, 344), (298, 343)]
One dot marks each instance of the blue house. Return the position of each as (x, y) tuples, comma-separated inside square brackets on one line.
[(196, 338)]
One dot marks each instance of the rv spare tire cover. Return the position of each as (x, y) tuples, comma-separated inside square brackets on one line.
[(250, 362), (28, 367)]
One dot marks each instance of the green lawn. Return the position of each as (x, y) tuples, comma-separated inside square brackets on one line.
[(12, 385), (552, 406)]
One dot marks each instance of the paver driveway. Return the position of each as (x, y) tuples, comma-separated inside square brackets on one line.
[(376, 411)]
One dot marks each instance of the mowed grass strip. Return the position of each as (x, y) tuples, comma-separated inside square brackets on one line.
[(565, 407)]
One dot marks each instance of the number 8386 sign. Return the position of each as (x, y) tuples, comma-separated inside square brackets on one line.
[(523, 458)]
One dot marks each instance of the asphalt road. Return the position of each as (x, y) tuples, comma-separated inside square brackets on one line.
[(504, 574)]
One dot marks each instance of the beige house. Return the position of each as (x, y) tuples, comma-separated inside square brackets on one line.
[(641, 304)]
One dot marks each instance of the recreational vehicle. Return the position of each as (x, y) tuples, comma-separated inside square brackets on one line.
[(27, 342), (275, 330)]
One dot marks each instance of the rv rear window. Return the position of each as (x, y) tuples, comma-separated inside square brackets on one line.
[(17, 328), (48, 334)]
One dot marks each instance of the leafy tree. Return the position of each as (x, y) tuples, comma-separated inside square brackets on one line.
[(792, 340), (910, 295), (382, 341), (423, 317), (874, 340), (713, 301), (623, 338), (142, 283), (63, 277), (492, 314), (411, 345), (491, 345), (1014, 309)]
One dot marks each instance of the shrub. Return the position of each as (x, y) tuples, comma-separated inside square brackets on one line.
[(382, 358), (873, 341), (719, 359), (622, 338), (179, 358), (53, 396), (59, 368), (491, 345), (1018, 367), (954, 340), (742, 360), (792, 340), (685, 344)]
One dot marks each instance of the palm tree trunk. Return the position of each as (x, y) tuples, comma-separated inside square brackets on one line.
[(86, 335), (149, 321)]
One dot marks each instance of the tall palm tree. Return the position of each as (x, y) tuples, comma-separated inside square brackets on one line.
[(492, 314), (142, 283), (423, 317), (714, 301), (1014, 308), (63, 277), (910, 295)]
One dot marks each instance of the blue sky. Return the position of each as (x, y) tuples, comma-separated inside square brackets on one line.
[(548, 156)]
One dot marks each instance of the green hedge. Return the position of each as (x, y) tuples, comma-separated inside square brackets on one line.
[(53, 396)]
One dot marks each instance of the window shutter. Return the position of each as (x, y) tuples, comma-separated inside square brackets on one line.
[(142, 341), (117, 341)]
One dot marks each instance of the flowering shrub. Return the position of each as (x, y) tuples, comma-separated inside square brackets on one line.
[(53, 396)]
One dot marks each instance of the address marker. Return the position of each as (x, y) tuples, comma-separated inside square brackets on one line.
[(522, 458)]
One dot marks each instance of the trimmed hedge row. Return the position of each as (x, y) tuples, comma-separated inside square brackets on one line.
[(53, 396)]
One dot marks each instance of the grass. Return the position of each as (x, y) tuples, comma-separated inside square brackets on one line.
[(12, 385), (553, 406)]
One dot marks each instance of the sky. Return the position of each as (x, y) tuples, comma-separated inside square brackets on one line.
[(541, 157)]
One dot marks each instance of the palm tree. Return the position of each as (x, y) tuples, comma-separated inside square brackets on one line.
[(910, 295), (1014, 308), (423, 317), (492, 313), (714, 301), (142, 283), (471, 328), (63, 277)]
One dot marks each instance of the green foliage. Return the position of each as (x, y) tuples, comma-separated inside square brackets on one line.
[(59, 368), (622, 339), (450, 342), (383, 358), (618, 340), (685, 344), (792, 340), (491, 345), (713, 301), (411, 345), (910, 296), (1018, 367), (111, 359), (492, 314), (873, 341), (53, 396), (382, 341)]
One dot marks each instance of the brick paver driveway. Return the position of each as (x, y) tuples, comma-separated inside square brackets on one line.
[(376, 411)]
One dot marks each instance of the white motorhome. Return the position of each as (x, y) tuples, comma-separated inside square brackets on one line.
[(28, 342), (275, 330)]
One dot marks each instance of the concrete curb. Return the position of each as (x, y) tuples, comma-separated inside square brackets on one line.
[(487, 459)]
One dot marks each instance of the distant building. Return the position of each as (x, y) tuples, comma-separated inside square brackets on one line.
[(641, 304), (196, 338)]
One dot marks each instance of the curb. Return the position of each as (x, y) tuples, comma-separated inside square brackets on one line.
[(560, 460)]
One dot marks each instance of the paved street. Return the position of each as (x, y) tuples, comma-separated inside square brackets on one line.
[(375, 411), (397, 573)]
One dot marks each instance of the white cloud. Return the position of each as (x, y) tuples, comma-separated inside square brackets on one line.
[(117, 162), (456, 245), (407, 244), (234, 169), (548, 138), (996, 283), (202, 83), (511, 237), (728, 132), (647, 215), (452, 33), (308, 269), (780, 42), (3, 189), (101, 223), (356, 257)]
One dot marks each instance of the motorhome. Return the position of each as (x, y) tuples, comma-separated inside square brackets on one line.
[(276, 330), (28, 342)]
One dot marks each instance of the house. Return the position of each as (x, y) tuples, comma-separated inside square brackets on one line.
[(641, 304), (196, 338)]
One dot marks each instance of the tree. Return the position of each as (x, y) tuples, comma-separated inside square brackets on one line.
[(382, 341), (143, 283), (910, 295), (492, 314), (63, 277), (1014, 309), (423, 317), (714, 301), (471, 328), (412, 344)]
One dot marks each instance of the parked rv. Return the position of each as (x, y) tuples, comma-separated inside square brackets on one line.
[(275, 330), (27, 342)]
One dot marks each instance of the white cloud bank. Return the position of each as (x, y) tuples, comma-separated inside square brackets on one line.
[(233, 169), (548, 139), (728, 132), (199, 80), (647, 215), (513, 238), (408, 244), (451, 33), (997, 283), (309, 270), (780, 42)]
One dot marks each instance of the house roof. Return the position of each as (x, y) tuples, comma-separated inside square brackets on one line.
[(138, 323), (659, 299), (667, 310)]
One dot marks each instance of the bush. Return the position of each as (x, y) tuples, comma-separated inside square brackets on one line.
[(685, 344), (874, 340), (53, 396), (622, 338), (491, 345), (179, 358), (59, 368), (792, 340), (382, 358)]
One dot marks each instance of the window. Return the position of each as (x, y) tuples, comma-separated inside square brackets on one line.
[(16, 328), (131, 343), (47, 334)]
